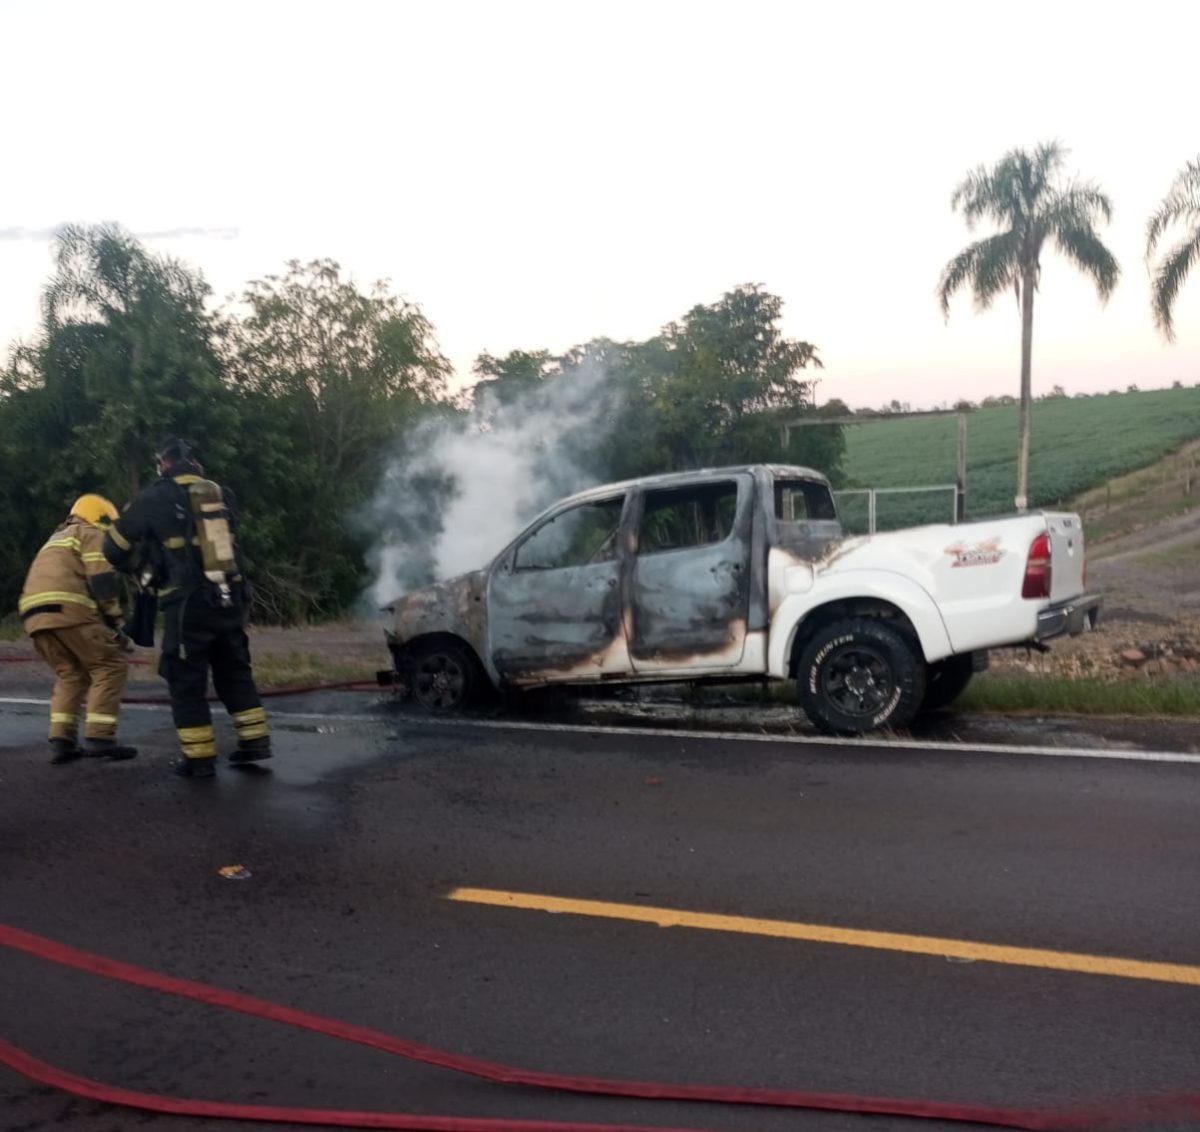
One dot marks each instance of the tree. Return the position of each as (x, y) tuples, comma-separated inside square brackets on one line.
[(512, 377), (126, 356), (715, 387), (1025, 196), (1180, 206), (352, 365), (724, 376), (328, 380)]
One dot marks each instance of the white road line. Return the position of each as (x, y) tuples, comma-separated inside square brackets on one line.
[(727, 736)]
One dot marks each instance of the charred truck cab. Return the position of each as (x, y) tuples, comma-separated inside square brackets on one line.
[(738, 573)]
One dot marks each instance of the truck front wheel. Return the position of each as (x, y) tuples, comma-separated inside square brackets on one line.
[(859, 675), (443, 677)]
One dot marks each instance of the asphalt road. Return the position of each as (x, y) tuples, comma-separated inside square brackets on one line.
[(364, 825)]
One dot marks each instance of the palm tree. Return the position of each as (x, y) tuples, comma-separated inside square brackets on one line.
[(1026, 197), (1181, 204)]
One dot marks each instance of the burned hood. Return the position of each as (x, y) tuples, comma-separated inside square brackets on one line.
[(455, 606)]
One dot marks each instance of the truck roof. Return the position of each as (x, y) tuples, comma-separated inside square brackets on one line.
[(698, 475)]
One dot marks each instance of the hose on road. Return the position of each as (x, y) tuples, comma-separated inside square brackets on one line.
[(268, 693), (283, 690), (1125, 1114)]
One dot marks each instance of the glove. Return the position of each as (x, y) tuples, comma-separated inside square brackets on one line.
[(124, 643)]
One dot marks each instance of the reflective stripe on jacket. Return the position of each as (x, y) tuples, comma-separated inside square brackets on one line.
[(70, 582)]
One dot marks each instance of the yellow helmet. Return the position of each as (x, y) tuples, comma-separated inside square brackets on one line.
[(95, 509)]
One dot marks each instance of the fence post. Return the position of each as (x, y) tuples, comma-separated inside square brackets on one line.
[(960, 494), (871, 512)]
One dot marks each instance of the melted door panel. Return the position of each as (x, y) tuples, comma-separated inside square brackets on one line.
[(554, 604), (691, 579)]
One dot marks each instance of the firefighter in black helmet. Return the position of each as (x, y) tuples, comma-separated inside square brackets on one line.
[(186, 523)]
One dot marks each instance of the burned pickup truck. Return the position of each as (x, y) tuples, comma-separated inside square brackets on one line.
[(744, 574)]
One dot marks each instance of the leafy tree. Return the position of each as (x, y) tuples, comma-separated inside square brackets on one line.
[(352, 366), (723, 379), (1181, 205), (123, 357), (713, 388), (328, 378), (506, 380), (1024, 195)]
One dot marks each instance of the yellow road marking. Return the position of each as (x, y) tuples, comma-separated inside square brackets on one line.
[(846, 937)]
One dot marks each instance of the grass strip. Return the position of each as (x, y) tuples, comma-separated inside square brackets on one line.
[(1011, 692), (277, 670)]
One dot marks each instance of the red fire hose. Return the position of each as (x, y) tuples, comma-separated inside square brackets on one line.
[(284, 690), (1123, 1114), (267, 693)]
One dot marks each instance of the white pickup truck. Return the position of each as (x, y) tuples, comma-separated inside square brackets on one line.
[(744, 574)]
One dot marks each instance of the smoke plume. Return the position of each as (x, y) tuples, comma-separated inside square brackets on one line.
[(463, 487)]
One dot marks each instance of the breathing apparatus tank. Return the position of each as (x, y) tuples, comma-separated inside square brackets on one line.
[(213, 537)]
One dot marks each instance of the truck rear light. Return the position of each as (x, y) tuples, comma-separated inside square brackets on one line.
[(1037, 568)]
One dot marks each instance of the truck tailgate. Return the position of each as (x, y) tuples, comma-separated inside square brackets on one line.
[(1066, 556)]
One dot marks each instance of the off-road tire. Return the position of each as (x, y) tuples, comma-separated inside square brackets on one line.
[(444, 677), (860, 675), (946, 680)]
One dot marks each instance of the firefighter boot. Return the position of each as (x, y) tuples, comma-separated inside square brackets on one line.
[(107, 749), (251, 751), (195, 768), (65, 751)]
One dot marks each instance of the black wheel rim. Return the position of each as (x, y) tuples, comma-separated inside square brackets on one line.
[(439, 682), (858, 680)]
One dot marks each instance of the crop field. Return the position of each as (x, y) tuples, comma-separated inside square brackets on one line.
[(1078, 443)]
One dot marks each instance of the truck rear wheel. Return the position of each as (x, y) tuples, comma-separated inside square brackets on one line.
[(946, 680), (859, 675)]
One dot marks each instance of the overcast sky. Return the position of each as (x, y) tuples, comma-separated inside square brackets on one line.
[(538, 174)]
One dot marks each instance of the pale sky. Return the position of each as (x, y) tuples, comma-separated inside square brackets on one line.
[(538, 174)]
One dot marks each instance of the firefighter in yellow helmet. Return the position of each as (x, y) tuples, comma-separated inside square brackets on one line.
[(71, 607)]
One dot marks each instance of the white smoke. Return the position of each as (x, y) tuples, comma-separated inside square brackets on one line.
[(463, 487)]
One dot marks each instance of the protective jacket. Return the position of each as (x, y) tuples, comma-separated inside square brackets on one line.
[(70, 582), (184, 524)]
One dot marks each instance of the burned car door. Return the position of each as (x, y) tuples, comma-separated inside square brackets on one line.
[(554, 599), (690, 581)]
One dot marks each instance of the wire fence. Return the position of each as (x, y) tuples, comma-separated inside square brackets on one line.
[(867, 510)]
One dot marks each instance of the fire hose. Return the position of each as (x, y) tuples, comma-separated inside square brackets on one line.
[(283, 690), (1116, 1115)]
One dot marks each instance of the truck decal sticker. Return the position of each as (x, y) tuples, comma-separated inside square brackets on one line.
[(986, 553)]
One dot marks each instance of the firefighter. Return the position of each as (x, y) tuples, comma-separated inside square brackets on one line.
[(71, 607), (186, 524)]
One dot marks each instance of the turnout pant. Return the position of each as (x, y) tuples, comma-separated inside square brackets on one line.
[(199, 637), (89, 665)]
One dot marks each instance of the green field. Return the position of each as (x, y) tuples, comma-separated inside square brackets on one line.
[(1078, 443)]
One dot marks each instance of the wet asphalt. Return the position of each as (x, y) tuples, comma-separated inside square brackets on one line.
[(369, 816)]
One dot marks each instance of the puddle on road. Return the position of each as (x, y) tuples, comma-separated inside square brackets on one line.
[(329, 733), (312, 753)]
